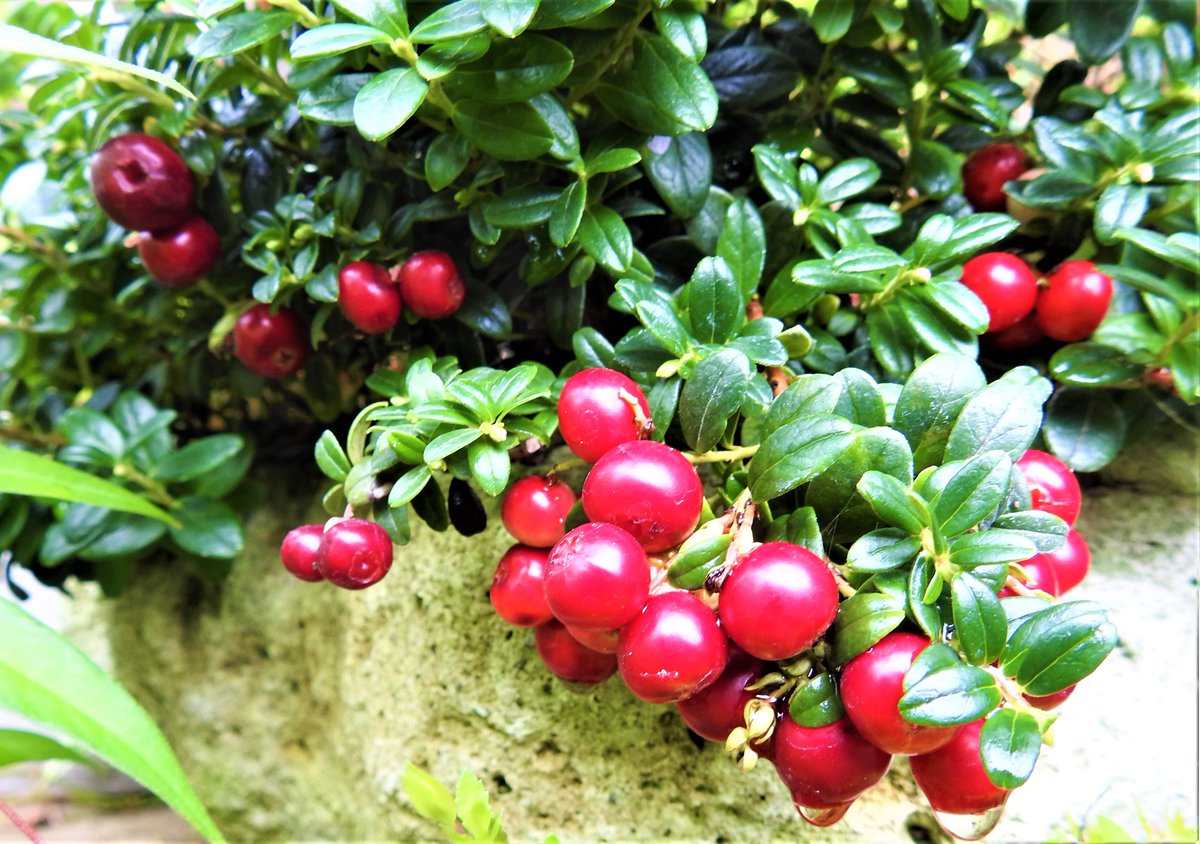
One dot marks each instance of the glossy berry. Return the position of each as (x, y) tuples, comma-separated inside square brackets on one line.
[(298, 553), (596, 412), (1074, 301), (603, 641), (535, 510), (1024, 334), (778, 600), (431, 286), (597, 578), (368, 297), (355, 554), (273, 345), (672, 650), (518, 592), (1005, 284), (953, 779), (1069, 562), (568, 660), (1039, 574), (826, 767), (1053, 487), (872, 685), (714, 711), (1050, 701), (182, 255), (142, 184), (985, 172)]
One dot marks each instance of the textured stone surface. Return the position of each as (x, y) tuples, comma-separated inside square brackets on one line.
[(295, 707)]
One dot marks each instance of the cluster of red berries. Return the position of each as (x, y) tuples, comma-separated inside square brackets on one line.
[(373, 299), (350, 553), (1053, 488)]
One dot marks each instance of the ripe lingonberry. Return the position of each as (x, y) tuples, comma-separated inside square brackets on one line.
[(596, 412), (1069, 562), (985, 172), (953, 778), (673, 649), (778, 600), (568, 660), (597, 578), (431, 286), (1005, 284), (872, 685), (602, 641), (1020, 336), (717, 709), (1040, 575), (647, 488), (826, 767), (518, 588), (273, 345), (1074, 301), (182, 255), (355, 554), (535, 510), (1053, 487), (368, 297), (1050, 701), (298, 553), (142, 184)]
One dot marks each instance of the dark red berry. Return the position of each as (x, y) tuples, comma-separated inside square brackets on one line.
[(1074, 301), (142, 184), (355, 554), (647, 488), (1005, 284), (182, 255), (673, 649), (535, 510), (717, 709), (826, 767), (298, 553), (518, 588), (597, 578), (1020, 336), (778, 600), (603, 641), (273, 345), (1050, 701), (431, 285), (953, 779), (872, 685), (1052, 485), (568, 660), (596, 412), (368, 297), (985, 172)]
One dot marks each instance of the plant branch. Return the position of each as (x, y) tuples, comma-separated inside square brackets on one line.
[(20, 435), (722, 456)]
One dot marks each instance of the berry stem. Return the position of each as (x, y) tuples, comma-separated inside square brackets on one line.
[(727, 456), (23, 826)]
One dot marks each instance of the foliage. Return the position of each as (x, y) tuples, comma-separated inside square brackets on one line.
[(464, 816)]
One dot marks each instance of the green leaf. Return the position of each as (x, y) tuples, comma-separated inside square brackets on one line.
[(685, 30), (1097, 37), (743, 244), (1120, 206), (388, 15), (834, 493), (661, 93), (385, 103), (861, 621), (979, 621), (332, 100), (22, 746), (429, 797), (803, 530), (521, 208), (1059, 646), (831, 19), (847, 179), (1084, 428), (680, 169), (696, 559), (1004, 416), (935, 169), (1009, 745), (408, 485), (446, 159), (567, 214), (991, 547), (443, 446), (796, 453), (882, 550), (942, 691), (894, 502), (335, 39), (508, 17), (490, 465), (815, 702), (931, 401), (777, 175), (714, 303), (748, 76), (471, 803), (199, 457), (711, 396), (612, 161), (516, 132), (661, 320), (1046, 531), (604, 236), (973, 234), (81, 703), (860, 401), (973, 492), (515, 71), (440, 60), (454, 20), (806, 396), (208, 528), (236, 33), (485, 312)]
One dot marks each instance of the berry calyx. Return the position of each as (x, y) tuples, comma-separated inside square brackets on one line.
[(535, 510), (778, 600), (1005, 284), (182, 255), (826, 767), (141, 183), (430, 284), (368, 297), (648, 489), (596, 412), (273, 345), (355, 554), (672, 650), (1053, 487), (568, 660), (299, 549), (985, 172), (717, 709), (518, 592), (953, 779), (1074, 301), (597, 578)]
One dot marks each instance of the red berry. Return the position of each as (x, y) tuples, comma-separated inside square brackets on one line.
[(602, 641), (355, 554), (273, 345), (1070, 562), (778, 600), (985, 172), (826, 767), (1074, 301), (872, 685), (1050, 701), (1052, 485), (672, 650), (180, 256), (518, 588), (647, 488), (1005, 284), (953, 779), (597, 578), (717, 709), (142, 184), (1040, 575), (568, 660), (1020, 336), (535, 510), (368, 297), (596, 412), (431, 285), (298, 553)]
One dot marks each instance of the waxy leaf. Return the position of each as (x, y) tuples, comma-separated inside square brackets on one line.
[(695, 560), (861, 621), (882, 550), (980, 624), (815, 702), (942, 691), (711, 396), (796, 453), (1009, 745), (972, 493), (894, 502), (931, 401), (1059, 646)]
